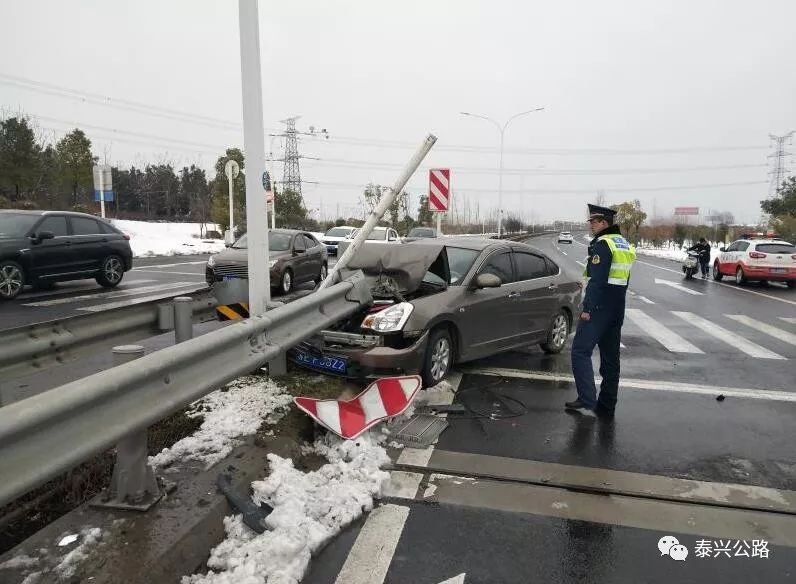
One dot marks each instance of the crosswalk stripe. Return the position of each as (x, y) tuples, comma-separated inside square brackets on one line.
[(111, 295), (645, 299), (677, 286), (135, 300), (729, 337), (764, 328), (669, 339), (788, 319)]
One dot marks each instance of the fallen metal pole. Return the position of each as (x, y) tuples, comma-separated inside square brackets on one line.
[(384, 203)]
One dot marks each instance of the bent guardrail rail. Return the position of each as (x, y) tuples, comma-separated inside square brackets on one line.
[(33, 347), (54, 431)]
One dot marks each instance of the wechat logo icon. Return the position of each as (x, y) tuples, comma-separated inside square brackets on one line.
[(669, 546)]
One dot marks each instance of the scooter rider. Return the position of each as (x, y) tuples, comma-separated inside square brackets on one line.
[(703, 248)]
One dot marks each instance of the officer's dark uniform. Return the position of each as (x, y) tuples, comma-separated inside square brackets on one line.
[(605, 304)]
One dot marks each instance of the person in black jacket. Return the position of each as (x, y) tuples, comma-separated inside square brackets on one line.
[(703, 247)]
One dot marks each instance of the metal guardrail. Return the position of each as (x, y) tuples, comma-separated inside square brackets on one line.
[(34, 347), (51, 432)]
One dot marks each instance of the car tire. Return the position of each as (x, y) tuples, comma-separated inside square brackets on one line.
[(740, 277), (111, 272), (12, 280), (323, 274), (557, 334), (717, 275), (286, 282), (791, 284), (439, 357)]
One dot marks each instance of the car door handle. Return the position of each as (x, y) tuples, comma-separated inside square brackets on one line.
[(514, 294), (553, 287)]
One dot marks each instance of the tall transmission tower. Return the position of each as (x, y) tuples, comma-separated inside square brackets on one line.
[(779, 167), (291, 176)]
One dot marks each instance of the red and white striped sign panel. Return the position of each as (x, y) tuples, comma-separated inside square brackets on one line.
[(382, 399), (439, 183)]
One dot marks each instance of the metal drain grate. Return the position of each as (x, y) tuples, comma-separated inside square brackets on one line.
[(421, 430)]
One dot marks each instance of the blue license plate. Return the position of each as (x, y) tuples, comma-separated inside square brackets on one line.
[(330, 364), (778, 270), (229, 278)]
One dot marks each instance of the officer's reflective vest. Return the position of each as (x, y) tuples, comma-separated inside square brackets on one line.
[(623, 254)]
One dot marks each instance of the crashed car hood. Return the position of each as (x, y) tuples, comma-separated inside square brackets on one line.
[(406, 264)]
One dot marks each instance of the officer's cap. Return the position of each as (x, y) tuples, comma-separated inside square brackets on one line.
[(597, 212)]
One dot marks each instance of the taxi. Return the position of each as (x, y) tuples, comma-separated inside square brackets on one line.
[(761, 260)]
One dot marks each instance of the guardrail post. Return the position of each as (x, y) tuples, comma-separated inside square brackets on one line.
[(133, 484), (278, 365), (183, 319)]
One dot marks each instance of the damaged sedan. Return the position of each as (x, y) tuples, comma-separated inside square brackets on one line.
[(436, 304)]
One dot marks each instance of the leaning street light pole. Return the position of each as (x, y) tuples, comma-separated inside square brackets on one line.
[(254, 146), (502, 131)]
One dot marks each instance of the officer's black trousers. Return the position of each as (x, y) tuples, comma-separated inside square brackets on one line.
[(604, 329)]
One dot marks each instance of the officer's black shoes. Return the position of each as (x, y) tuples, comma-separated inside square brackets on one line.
[(576, 405)]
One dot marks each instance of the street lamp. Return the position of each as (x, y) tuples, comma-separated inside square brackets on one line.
[(502, 130)]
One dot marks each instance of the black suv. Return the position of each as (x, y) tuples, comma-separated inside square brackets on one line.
[(40, 248)]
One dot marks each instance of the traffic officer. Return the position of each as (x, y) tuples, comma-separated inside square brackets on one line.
[(608, 272)]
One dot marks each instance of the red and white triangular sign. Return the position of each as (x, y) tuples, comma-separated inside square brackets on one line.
[(382, 399)]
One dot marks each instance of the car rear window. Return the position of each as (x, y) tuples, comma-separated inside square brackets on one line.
[(776, 248), (56, 225), (529, 266), (338, 232)]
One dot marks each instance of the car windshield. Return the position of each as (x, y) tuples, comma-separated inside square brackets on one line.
[(459, 263), (776, 248), (16, 224), (421, 232), (276, 242), (338, 232)]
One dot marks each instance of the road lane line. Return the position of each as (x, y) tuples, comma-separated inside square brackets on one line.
[(669, 339), (671, 386), (372, 552), (734, 340), (402, 485), (645, 299), (581, 263), (764, 327), (788, 319), (731, 287), (111, 295), (81, 288), (677, 286), (198, 274), (136, 300), (170, 265)]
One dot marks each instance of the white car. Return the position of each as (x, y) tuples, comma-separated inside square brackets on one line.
[(334, 236), (379, 235), (565, 237), (763, 260)]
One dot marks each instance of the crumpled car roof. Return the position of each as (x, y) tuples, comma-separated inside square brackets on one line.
[(407, 263)]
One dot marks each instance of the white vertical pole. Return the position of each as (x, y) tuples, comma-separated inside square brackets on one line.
[(439, 223), (102, 191), (500, 186), (231, 205), (254, 145)]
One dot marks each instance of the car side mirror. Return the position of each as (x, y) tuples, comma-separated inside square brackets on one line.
[(44, 235), (722, 249), (487, 281), (297, 252)]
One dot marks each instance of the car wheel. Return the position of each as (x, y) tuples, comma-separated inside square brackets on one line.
[(557, 334), (740, 278), (791, 284), (111, 272), (286, 284), (323, 274), (439, 357), (12, 280), (717, 275)]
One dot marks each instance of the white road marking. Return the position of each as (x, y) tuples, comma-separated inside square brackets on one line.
[(788, 319), (170, 265), (765, 328), (581, 263), (731, 287), (372, 552), (110, 295), (455, 580), (402, 485), (645, 299), (197, 274), (622, 346), (677, 286), (132, 301), (672, 386), (729, 337), (669, 339), (561, 250), (60, 291)]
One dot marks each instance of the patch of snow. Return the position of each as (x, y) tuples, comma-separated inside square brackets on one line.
[(676, 253), (148, 239), (92, 536), (229, 414), (68, 539), (32, 578), (309, 510), (21, 561)]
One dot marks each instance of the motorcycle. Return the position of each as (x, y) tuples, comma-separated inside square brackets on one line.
[(691, 264)]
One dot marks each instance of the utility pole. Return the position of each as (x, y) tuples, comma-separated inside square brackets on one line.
[(779, 163)]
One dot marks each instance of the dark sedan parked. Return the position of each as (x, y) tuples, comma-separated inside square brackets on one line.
[(296, 258), (440, 302), (39, 248)]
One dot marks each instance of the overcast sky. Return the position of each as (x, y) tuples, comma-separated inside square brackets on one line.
[(706, 80)]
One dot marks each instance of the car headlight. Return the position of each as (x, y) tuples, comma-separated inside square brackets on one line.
[(389, 320), (211, 261), (272, 263)]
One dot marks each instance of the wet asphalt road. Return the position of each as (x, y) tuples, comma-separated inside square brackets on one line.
[(669, 425)]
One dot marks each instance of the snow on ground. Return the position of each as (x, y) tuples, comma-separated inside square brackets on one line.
[(21, 561), (91, 537), (309, 510), (167, 239), (230, 413), (671, 251)]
